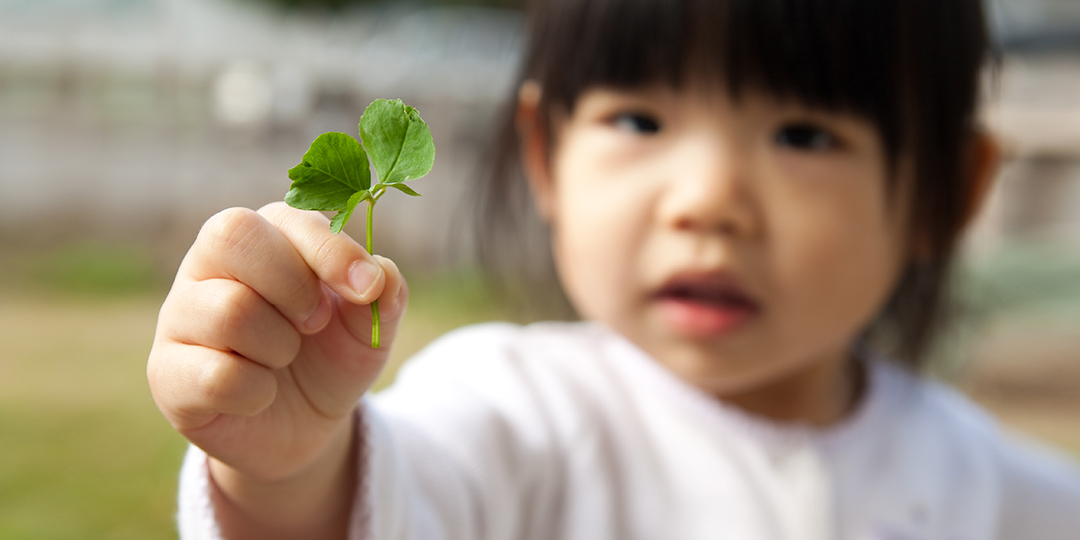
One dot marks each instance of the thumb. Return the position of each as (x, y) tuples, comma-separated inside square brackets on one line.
[(337, 259), (340, 363)]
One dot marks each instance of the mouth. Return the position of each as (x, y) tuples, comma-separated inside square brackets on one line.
[(705, 305)]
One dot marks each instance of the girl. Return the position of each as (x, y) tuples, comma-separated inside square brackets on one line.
[(750, 202)]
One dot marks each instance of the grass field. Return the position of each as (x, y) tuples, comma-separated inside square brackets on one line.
[(84, 453)]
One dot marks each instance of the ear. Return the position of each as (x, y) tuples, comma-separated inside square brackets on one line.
[(984, 159), (983, 156), (535, 153)]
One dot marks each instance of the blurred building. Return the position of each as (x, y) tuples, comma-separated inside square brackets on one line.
[(1034, 107), (1036, 114), (137, 119)]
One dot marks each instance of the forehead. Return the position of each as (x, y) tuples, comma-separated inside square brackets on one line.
[(908, 67)]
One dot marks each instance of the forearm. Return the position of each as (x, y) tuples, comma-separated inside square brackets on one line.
[(315, 503)]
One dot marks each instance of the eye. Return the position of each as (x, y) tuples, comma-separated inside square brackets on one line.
[(635, 122), (806, 136)]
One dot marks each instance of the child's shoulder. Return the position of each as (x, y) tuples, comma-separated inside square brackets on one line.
[(954, 416), (1038, 487)]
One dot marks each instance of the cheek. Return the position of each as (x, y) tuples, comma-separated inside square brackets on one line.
[(598, 221), (837, 258)]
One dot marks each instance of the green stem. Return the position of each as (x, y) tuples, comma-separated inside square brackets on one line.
[(375, 304)]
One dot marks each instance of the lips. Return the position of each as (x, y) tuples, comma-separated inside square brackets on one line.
[(705, 305)]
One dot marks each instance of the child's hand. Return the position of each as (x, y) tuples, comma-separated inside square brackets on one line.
[(263, 344)]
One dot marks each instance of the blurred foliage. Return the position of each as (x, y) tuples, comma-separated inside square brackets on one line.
[(84, 452), (1020, 283), (1023, 279), (93, 268), (99, 472), (339, 4)]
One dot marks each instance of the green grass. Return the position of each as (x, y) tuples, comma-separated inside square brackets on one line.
[(84, 453), (98, 472), (1025, 280), (92, 269)]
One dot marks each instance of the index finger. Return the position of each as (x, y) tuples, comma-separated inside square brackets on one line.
[(240, 244)]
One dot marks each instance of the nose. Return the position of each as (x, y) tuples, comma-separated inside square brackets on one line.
[(708, 190)]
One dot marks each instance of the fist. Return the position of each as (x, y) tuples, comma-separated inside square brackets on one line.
[(262, 348)]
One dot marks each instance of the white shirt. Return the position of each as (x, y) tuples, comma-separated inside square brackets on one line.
[(568, 431)]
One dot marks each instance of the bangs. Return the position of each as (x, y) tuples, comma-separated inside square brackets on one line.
[(794, 49), (850, 55)]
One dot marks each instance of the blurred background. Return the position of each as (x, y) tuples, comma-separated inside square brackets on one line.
[(124, 124)]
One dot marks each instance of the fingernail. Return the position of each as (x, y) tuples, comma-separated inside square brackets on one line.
[(318, 318), (362, 277)]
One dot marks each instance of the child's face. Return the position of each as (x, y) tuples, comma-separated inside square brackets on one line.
[(742, 244)]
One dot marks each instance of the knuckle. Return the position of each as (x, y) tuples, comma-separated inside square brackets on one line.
[(169, 381), (274, 208), (220, 384), (283, 216), (177, 306), (231, 230), (154, 371), (166, 320), (325, 251), (234, 386), (237, 309)]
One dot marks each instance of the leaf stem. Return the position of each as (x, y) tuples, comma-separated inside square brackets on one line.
[(375, 304)]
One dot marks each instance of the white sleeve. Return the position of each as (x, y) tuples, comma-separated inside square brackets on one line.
[(195, 517), (408, 496), (460, 448)]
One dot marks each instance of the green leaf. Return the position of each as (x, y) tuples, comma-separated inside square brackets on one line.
[(404, 189), (398, 141), (333, 169), (335, 173), (342, 217)]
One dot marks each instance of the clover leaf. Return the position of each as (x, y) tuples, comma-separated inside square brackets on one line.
[(335, 174)]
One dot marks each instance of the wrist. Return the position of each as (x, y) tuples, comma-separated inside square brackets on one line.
[(314, 503)]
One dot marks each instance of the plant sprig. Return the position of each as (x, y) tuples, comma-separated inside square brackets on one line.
[(335, 174)]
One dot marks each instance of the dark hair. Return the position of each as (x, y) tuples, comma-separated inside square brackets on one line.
[(911, 67)]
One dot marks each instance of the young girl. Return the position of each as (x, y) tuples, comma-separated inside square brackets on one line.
[(750, 203)]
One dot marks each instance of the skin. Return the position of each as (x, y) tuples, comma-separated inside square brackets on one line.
[(644, 186), (262, 348)]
